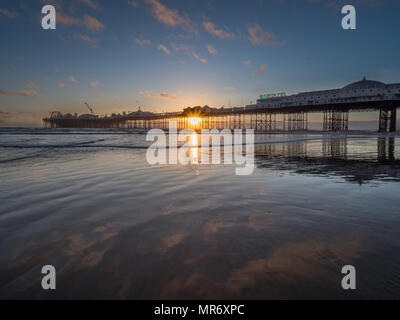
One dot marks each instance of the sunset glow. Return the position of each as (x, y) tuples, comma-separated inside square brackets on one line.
[(194, 121)]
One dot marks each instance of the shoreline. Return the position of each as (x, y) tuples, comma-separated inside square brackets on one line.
[(56, 131)]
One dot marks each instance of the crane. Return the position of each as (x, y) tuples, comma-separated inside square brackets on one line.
[(90, 109)]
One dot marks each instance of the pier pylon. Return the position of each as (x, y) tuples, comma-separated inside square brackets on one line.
[(387, 120), (335, 120)]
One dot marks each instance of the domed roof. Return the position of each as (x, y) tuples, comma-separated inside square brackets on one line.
[(364, 84)]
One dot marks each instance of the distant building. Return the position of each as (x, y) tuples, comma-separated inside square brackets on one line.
[(360, 91)]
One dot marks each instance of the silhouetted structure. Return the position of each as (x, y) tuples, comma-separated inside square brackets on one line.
[(364, 95)]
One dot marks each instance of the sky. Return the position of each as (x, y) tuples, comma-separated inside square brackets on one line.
[(164, 55)]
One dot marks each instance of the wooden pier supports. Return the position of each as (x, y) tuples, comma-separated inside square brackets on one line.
[(295, 121), (335, 120), (265, 121), (387, 120)]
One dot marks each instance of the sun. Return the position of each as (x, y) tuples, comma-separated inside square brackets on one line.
[(194, 121)]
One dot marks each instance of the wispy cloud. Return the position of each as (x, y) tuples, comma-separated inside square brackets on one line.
[(182, 47), (212, 28), (85, 38), (5, 114), (230, 88), (261, 69), (142, 42), (164, 48), (73, 80), (11, 117), (259, 37), (170, 17), (197, 57), (61, 84), (133, 3), (336, 4), (91, 4), (190, 51), (94, 84), (66, 20), (32, 85), (8, 14), (211, 49), (90, 23), (21, 93), (157, 96)]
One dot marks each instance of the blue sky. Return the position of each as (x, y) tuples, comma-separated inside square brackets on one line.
[(164, 55)]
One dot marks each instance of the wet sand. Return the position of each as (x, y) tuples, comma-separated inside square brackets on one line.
[(116, 227)]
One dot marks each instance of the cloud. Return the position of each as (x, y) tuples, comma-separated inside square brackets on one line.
[(85, 38), (261, 69), (189, 51), (94, 84), (248, 62), (333, 5), (230, 88), (211, 49), (21, 93), (142, 42), (5, 113), (91, 4), (212, 28), (92, 24), (164, 48), (259, 37), (170, 17), (157, 96), (182, 47), (32, 85), (166, 96), (197, 57), (63, 19), (8, 14), (73, 80), (336, 4), (61, 84), (133, 3)]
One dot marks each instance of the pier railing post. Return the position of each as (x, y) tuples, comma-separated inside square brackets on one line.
[(393, 120)]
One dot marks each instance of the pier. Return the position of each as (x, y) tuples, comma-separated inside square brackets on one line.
[(335, 118), (272, 112)]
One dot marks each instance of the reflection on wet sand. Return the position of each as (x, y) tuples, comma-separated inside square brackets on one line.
[(173, 232), (333, 159)]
